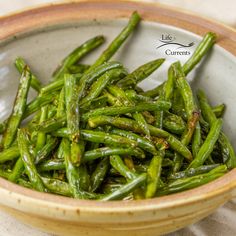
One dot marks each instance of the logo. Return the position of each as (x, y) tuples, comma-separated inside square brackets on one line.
[(172, 47)]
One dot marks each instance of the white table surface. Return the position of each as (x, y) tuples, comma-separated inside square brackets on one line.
[(223, 221)]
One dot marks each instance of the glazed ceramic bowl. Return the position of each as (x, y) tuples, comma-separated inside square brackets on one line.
[(43, 36)]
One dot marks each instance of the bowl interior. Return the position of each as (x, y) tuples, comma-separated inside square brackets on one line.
[(44, 50)]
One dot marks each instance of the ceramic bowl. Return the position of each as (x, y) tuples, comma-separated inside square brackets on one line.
[(43, 36)]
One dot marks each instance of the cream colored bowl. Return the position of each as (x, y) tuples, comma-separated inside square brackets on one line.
[(43, 36)]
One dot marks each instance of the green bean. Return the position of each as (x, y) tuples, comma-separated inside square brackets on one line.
[(92, 74), (61, 108), (132, 95), (27, 159), (169, 93), (178, 107), (192, 182), (204, 46), (128, 160), (20, 65), (125, 189), (62, 133), (128, 124), (80, 68), (108, 188), (17, 170), (204, 125), (101, 83), (219, 169), (208, 145), (190, 108), (140, 73), (227, 151), (107, 151), (177, 146), (99, 174), (193, 171), (106, 138), (127, 109), (73, 176), (184, 89), (197, 140), (219, 110), (77, 54), (143, 143), (143, 168), (166, 95), (55, 164), (9, 154), (111, 99), (118, 165), (168, 88), (160, 143), (73, 118), (52, 111), (122, 123), (120, 94), (190, 128), (72, 106), (77, 152), (37, 103), (159, 118), (58, 164), (24, 183), (16, 116), (118, 41), (84, 177), (51, 125), (142, 122), (206, 110), (46, 150), (188, 183), (57, 186), (52, 87), (41, 138), (35, 120), (148, 117), (226, 147), (57, 85), (96, 103), (153, 174), (173, 123), (59, 153)]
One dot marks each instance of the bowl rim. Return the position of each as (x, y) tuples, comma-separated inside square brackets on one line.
[(51, 14)]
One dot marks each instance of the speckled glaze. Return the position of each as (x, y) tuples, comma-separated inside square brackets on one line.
[(43, 36)]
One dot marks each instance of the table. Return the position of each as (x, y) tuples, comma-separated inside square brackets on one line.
[(222, 222)]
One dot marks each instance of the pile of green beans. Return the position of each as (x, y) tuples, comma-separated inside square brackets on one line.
[(92, 133)]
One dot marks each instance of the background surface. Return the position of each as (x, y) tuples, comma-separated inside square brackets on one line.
[(222, 222)]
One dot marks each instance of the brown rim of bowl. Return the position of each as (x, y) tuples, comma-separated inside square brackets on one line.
[(37, 18)]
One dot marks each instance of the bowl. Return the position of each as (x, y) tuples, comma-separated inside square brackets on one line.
[(43, 36)]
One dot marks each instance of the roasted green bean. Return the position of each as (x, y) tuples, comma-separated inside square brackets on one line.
[(18, 110), (77, 54)]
